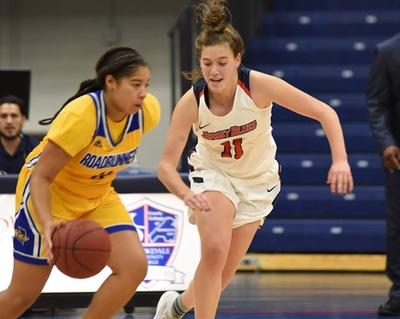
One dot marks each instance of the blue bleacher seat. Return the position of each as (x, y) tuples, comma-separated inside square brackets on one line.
[(311, 138), (329, 23), (320, 236), (312, 50), (316, 202), (320, 78), (312, 169), (336, 5), (351, 107)]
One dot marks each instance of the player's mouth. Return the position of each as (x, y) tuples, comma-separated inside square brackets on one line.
[(216, 82)]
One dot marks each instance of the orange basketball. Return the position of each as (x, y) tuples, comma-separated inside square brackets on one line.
[(81, 248)]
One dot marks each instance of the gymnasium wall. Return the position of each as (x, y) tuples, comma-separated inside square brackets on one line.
[(60, 41)]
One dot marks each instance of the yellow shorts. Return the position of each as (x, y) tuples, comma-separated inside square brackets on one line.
[(107, 210)]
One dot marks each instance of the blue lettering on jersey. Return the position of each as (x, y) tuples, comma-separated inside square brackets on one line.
[(106, 161)]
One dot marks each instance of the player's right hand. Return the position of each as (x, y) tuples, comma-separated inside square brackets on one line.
[(196, 201), (391, 158), (48, 230)]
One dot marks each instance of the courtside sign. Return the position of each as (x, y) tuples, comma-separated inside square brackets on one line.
[(171, 243)]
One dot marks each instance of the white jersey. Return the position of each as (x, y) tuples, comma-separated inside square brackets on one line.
[(239, 143)]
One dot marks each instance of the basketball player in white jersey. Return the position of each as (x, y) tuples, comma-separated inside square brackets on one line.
[(94, 135), (234, 176)]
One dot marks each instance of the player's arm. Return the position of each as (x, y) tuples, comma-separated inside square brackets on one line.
[(183, 117), (52, 160), (266, 89)]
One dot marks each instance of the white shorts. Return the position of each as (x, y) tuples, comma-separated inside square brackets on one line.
[(253, 198)]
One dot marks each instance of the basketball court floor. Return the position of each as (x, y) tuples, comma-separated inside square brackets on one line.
[(282, 295)]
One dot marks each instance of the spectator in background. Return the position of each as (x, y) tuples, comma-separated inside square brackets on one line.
[(14, 145), (383, 102)]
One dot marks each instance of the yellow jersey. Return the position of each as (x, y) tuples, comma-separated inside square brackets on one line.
[(98, 146)]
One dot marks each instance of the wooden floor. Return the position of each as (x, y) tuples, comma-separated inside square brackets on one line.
[(283, 295)]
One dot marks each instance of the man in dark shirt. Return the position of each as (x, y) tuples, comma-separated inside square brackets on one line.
[(383, 101), (14, 145)]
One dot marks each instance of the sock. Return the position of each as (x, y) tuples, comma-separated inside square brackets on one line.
[(178, 308)]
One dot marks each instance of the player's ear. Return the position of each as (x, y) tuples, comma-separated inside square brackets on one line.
[(238, 60), (110, 82)]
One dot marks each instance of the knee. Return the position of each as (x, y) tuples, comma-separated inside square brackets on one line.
[(141, 270), (136, 270), (215, 256)]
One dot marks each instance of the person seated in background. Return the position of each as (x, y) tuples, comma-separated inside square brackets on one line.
[(14, 145)]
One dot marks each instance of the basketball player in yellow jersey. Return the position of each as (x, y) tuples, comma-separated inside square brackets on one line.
[(68, 175)]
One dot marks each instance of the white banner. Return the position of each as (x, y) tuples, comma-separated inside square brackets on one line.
[(171, 243)]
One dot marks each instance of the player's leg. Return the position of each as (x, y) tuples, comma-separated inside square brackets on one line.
[(241, 240), (128, 263), (30, 269), (204, 291), (257, 199), (215, 229), (128, 260), (26, 284)]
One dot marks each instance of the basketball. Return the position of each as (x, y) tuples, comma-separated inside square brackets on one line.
[(81, 248)]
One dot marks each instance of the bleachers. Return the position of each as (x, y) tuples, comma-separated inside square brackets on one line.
[(310, 137), (320, 236), (349, 106), (337, 5), (337, 23), (308, 51), (312, 202), (324, 48), (321, 78), (311, 168)]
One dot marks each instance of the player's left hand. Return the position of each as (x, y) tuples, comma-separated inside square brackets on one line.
[(340, 178)]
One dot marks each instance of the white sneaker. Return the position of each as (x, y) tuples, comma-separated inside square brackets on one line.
[(164, 305)]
